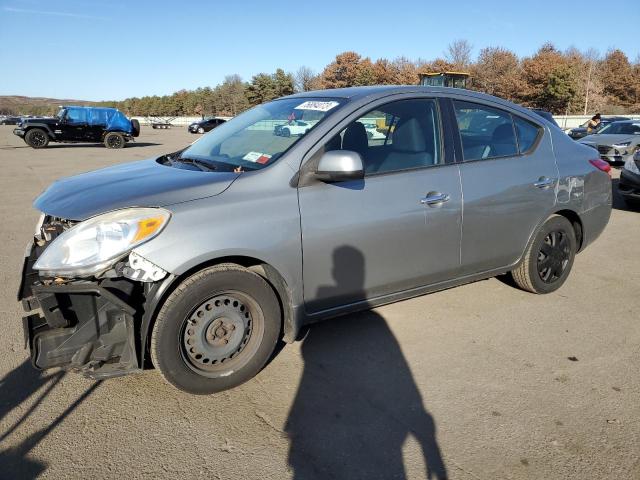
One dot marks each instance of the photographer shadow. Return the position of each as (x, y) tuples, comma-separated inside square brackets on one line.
[(357, 403)]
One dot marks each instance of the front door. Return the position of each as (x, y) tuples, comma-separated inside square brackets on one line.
[(397, 229), (74, 124)]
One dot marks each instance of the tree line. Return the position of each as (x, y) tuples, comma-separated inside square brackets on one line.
[(563, 82)]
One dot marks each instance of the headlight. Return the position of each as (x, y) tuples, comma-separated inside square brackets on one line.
[(631, 166), (621, 145), (95, 244)]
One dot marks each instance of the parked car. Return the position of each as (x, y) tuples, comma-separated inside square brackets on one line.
[(548, 116), (293, 128), (581, 131), (79, 124), (617, 142), (205, 125), (9, 120), (629, 184), (203, 260)]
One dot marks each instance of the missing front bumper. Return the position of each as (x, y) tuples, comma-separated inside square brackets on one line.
[(87, 326)]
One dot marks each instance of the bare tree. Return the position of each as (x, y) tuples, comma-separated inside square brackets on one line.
[(304, 79), (459, 53)]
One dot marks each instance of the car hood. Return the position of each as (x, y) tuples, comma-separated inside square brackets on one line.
[(40, 120), (146, 183), (608, 139)]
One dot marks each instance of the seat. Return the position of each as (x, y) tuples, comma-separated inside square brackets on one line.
[(355, 139), (503, 141), (409, 148)]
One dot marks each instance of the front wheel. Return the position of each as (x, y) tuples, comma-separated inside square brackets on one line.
[(216, 330), (549, 257), (36, 138), (114, 140), (200, 130)]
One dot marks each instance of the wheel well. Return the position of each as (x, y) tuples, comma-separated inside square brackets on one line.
[(574, 218), (266, 271)]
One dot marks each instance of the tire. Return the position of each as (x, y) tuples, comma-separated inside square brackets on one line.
[(200, 130), (285, 132), (37, 138), (549, 258), (135, 127), (114, 140), (222, 303), (632, 203)]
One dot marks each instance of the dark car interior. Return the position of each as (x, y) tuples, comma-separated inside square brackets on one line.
[(412, 137)]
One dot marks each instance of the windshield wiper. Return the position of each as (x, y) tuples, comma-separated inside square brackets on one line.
[(201, 164)]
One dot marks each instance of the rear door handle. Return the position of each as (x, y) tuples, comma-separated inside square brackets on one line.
[(434, 198), (544, 182)]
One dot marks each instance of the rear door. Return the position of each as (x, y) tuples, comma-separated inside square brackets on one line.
[(366, 239), (509, 177)]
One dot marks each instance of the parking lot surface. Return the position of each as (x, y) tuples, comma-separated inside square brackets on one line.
[(482, 381)]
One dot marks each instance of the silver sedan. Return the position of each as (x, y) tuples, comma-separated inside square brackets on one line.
[(201, 261)]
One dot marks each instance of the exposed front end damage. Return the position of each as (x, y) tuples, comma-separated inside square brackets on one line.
[(90, 325)]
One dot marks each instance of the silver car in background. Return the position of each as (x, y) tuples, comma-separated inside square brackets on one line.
[(617, 142), (201, 261)]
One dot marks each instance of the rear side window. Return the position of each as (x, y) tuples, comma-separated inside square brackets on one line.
[(485, 132), (527, 134)]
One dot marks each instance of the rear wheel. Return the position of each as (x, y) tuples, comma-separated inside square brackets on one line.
[(549, 258), (36, 138), (216, 330), (200, 130), (114, 140)]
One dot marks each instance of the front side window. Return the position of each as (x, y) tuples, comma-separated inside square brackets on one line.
[(397, 136), (485, 132), (76, 115), (258, 137)]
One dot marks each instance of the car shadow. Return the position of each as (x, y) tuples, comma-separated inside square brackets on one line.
[(357, 402), (100, 145), (15, 388), (618, 200)]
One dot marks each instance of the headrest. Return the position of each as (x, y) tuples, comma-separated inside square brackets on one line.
[(409, 136)]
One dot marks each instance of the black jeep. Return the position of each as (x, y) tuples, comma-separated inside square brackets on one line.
[(79, 124)]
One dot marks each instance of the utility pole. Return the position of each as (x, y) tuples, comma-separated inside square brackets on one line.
[(586, 96)]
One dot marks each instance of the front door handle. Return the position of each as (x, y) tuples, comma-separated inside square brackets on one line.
[(434, 198), (544, 182)]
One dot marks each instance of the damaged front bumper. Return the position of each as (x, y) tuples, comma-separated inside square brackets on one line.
[(92, 326)]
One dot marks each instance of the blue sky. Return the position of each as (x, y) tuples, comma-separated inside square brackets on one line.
[(112, 49)]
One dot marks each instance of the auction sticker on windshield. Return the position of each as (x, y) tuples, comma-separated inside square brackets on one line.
[(315, 105), (257, 157)]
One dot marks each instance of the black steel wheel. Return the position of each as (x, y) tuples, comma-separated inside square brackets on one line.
[(549, 257), (216, 330), (37, 138), (114, 140), (223, 332)]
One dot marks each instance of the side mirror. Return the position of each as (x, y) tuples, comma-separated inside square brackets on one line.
[(339, 165)]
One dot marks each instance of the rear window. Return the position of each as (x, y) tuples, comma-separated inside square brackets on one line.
[(527, 134)]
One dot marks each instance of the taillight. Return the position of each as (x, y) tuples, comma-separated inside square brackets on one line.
[(601, 165)]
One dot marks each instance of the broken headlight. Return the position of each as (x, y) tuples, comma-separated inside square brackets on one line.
[(95, 244)]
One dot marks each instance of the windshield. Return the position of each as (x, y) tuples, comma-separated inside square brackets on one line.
[(258, 137), (620, 128), (60, 113)]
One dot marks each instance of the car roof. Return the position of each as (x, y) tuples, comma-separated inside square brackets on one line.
[(376, 91), (89, 107)]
